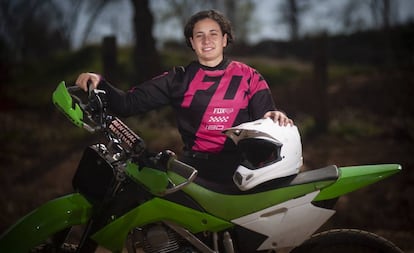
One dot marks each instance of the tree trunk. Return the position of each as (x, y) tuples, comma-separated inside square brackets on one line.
[(293, 20), (109, 58), (320, 82), (145, 57)]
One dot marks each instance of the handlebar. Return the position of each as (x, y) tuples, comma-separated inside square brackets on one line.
[(123, 142), (93, 104)]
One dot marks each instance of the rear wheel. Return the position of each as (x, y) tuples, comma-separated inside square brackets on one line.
[(345, 241)]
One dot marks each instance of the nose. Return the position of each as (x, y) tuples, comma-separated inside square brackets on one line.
[(206, 39)]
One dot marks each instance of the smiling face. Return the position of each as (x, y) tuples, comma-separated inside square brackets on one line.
[(208, 42)]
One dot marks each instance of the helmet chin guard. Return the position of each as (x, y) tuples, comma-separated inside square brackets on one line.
[(268, 150)]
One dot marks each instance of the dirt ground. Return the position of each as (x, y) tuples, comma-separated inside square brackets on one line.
[(37, 165)]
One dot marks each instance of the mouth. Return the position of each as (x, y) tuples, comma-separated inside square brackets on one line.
[(207, 49)]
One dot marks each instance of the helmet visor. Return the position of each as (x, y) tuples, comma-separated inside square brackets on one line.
[(257, 153)]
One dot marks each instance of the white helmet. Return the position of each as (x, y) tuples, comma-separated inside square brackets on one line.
[(268, 151)]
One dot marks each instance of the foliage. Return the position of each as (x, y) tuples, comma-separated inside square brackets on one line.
[(339, 71), (39, 77), (32, 29), (282, 75), (353, 125)]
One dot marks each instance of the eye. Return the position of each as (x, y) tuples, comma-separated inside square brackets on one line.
[(198, 36)]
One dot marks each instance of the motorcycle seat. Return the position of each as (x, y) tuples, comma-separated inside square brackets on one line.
[(317, 175)]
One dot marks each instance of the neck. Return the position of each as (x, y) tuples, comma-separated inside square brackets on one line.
[(211, 63)]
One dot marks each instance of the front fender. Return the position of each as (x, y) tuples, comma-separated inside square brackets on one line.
[(40, 224)]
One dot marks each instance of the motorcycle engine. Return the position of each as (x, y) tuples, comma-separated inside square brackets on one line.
[(161, 239)]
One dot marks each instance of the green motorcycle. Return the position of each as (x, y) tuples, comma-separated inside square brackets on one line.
[(129, 199)]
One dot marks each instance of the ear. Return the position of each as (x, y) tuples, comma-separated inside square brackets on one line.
[(192, 42), (225, 40)]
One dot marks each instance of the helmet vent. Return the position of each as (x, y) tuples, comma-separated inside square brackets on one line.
[(238, 178)]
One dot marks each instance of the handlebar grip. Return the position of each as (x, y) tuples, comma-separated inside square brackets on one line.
[(73, 88), (90, 87)]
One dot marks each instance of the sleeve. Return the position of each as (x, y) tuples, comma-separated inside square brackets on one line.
[(142, 98), (261, 99)]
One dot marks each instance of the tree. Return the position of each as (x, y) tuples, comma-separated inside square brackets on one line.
[(180, 9), (292, 16), (382, 12), (238, 12), (31, 28), (291, 11), (146, 58), (96, 8)]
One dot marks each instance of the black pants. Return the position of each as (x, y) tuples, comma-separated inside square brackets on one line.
[(213, 167)]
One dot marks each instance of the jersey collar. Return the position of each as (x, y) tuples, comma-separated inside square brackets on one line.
[(222, 65)]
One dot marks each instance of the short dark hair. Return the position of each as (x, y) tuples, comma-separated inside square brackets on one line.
[(224, 23)]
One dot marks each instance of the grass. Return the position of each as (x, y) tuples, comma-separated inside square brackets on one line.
[(339, 71), (278, 72)]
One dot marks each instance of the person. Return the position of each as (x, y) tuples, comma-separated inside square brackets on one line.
[(209, 95)]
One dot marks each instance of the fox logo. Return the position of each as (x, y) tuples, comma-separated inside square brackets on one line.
[(223, 110)]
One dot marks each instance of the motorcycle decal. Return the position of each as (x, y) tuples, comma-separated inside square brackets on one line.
[(288, 224)]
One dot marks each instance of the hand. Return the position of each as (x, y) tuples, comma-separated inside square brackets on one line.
[(278, 116), (84, 79)]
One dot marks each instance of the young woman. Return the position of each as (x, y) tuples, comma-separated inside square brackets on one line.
[(208, 96)]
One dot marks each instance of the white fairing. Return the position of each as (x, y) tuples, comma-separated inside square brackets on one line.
[(291, 151), (288, 224)]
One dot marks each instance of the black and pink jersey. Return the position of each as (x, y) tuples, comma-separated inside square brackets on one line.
[(206, 101)]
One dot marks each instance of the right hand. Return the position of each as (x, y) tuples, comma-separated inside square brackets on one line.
[(83, 80), (280, 117)]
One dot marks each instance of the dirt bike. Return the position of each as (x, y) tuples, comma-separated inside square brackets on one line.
[(127, 198)]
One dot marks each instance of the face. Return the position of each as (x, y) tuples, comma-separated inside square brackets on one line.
[(208, 42)]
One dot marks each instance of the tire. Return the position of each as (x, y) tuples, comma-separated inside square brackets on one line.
[(347, 240)]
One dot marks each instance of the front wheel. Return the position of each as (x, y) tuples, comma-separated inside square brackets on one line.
[(345, 241)]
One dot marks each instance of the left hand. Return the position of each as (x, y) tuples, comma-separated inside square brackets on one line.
[(278, 116)]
